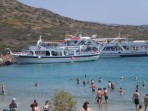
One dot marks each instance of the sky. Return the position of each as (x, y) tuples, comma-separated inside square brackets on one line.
[(123, 12)]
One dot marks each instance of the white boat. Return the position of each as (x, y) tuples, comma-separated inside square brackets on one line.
[(45, 54), (111, 47), (121, 47)]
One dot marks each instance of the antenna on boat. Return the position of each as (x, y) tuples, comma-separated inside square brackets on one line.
[(39, 41), (119, 35)]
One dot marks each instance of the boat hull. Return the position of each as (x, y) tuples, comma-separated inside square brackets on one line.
[(24, 59), (128, 54)]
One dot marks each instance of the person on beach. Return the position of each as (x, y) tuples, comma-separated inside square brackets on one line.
[(99, 97), (144, 84), (13, 105), (146, 101), (121, 91), (46, 106), (78, 81), (105, 95), (3, 88), (136, 98), (86, 107), (140, 108)]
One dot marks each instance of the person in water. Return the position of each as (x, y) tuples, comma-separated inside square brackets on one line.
[(93, 87), (121, 91), (84, 83), (105, 95), (100, 80), (3, 88), (136, 97), (140, 108), (46, 106), (86, 107), (13, 105), (99, 97), (78, 81), (36, 84), (144, 84), (146, 101)]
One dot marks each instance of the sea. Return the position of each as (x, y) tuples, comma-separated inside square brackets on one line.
[(19, 82)]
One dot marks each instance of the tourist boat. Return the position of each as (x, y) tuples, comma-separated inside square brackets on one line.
[(42, 53), (110, 47), (121, 47)]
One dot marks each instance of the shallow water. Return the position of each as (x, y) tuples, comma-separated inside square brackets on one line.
[(20, 79)]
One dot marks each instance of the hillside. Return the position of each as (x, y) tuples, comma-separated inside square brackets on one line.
[(21, 25)]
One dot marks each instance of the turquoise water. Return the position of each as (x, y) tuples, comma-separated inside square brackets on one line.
[(20, 79)]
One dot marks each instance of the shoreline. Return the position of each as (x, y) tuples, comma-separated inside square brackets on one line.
[(6, 59)]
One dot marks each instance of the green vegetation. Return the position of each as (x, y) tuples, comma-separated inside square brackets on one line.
[(63, 101), (22, 24)]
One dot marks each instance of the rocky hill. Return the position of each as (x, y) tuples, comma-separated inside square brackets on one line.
[(21, 25)]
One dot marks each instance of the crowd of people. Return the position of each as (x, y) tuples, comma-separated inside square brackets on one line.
[(99, 96)]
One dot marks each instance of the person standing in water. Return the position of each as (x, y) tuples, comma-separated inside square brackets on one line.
[(3, 88), (105, 95), (86, 107), (121, 91), (144, 84), (146, 101), (46, 106), (78, 81), (140, 108), (99, 97), (136, 97)]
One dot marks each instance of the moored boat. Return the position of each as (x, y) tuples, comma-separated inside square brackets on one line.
[(43, 54)]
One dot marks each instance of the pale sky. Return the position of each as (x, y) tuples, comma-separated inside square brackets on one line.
[(131, 12)]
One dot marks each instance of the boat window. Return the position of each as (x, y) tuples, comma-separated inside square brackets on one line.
[(70, 53), (54, 53), (47, 53), (30, 52), (112, 48), (40, 52)]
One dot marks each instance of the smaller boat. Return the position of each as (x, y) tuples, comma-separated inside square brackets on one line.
[(44, 54)]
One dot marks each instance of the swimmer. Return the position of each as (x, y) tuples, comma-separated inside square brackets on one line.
[(144, 84), (137, 87), (100, 80), (84, 83), (121, 77), (36, 84), (136, 78)]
